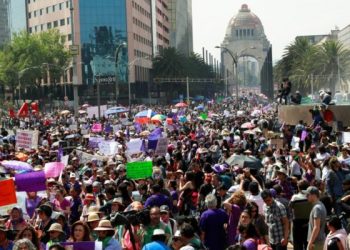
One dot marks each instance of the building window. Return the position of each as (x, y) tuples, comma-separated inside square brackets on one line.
[(248, 32), (30, 29), (55, 24), (42, 27), (69, 37), (240, 33), (41, 12), (60, 6), (244, 33), (252, 32), (29, 15), (67, 4), (49, 26), (53, 8), (34, 13), (68, 20), (62, 22)]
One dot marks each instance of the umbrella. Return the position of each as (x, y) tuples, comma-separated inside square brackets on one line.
[(248, 125), (72, 136), (181, 105), (145, 113), (17, 165), (200, 107), (244, 161), (116, 110), (158, 117), (85, 106), (65, 112)]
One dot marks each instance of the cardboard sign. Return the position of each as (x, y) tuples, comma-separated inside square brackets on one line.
[(134, 146), (85, 157), (64, 160), (139, 170), (93, 111), (31, 182), (346, 137), (27, 139), (108, 147), (277, 143), (83, 245), (7, 192), (162, 146)]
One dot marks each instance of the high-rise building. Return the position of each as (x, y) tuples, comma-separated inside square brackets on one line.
[(344, 36), (17, 16), (181, 32), (116, 37), (4, 22)]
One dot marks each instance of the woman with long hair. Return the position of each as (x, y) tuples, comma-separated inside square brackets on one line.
[(16, 221), (187, 190), (80, 232), (234, 207), (258, 221), (30, 234), (249, 236)]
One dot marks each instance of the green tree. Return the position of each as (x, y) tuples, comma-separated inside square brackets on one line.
[(169, 63), (28, 58)]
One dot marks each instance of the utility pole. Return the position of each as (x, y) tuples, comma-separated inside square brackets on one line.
[(188, 91), (98, 96), (75, 73)]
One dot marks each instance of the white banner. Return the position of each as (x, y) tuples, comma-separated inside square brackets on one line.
[(27, 139), (85, 157), (91, 111), (346, 137), (108, 147), (134, 146)]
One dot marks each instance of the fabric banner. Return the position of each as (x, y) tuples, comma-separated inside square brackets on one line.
[(139, 170), (31, 182), (93, 111), (162, 146), (83, 245), (27, 139), (7, 192)]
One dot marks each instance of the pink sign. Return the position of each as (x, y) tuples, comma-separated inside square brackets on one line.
[(96, 127), (53, 169)]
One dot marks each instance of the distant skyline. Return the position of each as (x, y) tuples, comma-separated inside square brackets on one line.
[(282, 20)]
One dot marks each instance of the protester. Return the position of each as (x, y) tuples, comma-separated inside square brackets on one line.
[(105, 234)]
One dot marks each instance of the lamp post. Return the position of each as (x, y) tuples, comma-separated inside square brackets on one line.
[(235, 64), (123, 44), (234, 67)]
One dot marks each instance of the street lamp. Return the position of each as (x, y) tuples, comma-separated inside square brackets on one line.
[(235, 64), (129, 83), (234, 67), (123, 44)]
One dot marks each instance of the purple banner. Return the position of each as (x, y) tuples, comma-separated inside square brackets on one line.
[(31, 182), (94, 141), (84, 245)]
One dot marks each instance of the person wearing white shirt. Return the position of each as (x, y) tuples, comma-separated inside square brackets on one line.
[(255, 196)]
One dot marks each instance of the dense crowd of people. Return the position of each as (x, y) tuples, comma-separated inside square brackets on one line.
[(224, 182)]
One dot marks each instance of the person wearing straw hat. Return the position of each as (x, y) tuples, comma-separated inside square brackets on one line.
[(105, 233), (56, 234)]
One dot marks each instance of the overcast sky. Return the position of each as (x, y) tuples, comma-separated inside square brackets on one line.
[(283, 20)]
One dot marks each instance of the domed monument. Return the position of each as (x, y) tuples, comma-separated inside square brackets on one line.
[(246, 42)]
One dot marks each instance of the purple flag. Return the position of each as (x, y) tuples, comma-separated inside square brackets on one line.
[(59, 154), (31, 182), (143, 146), (84, 245), (157, 133), (138, 128)]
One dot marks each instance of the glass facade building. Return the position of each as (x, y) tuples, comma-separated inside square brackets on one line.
[(103, 28), (4, 22)]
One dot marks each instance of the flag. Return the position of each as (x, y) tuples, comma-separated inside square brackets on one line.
[(143, 146), (138, 128), (157, 133), (59, 154)]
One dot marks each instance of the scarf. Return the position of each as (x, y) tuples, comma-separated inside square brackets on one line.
[(105, 242)]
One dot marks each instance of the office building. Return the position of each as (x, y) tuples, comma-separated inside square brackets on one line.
[(4, 22), (130, 31), (181, 30)]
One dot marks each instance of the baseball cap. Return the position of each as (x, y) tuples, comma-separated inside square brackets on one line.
[(312, 190), (164, 209)]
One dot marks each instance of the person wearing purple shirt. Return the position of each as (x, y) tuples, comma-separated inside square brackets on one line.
[(157, 199), (31, 202), (212, 223), (282, 180)]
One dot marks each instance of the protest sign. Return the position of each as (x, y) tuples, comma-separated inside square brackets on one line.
[(27, 139), (85, 157), (7, 192), (346, 137), (31, 182), (96, 128), (108, 147), (73, 127), (134, 146), (53, 169), (162, 146), (277, 143), (93, 111), (95, 141), (64, 160), (139, 170)]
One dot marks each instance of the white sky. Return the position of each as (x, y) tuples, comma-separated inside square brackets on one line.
[(282, 20)]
